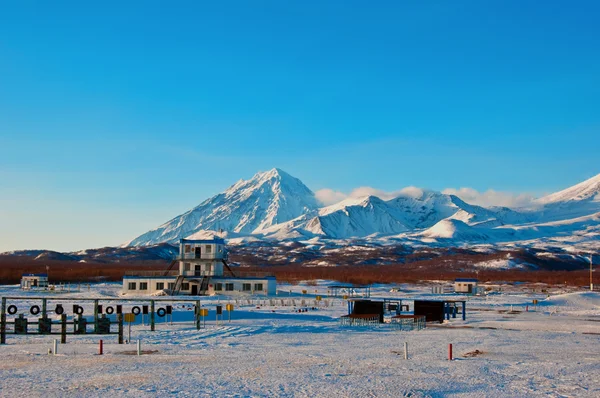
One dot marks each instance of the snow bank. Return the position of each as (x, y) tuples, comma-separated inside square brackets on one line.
[(574, 301)]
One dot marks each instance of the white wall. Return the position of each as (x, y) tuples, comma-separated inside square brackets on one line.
[(269, 286)]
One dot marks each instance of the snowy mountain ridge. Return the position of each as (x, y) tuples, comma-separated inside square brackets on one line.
[(274, 205), (247, 207), (588, 190)]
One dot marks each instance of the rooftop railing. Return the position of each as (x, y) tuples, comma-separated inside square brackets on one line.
[(174, 272)]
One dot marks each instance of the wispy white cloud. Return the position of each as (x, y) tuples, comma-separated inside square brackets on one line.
[(491, 197), (329, 197), (488, 198)]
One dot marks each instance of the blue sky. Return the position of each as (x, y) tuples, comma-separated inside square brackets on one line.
[(117, 116)]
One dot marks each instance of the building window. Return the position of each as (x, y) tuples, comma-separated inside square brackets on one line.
[(132, 285), (229, 287), (198, 270), (258, 286), (188, 248), (171, 285), (185, 286), (160, 285), (186, 266), (208, 248), (246, 287), (143, 285), (218, 287)]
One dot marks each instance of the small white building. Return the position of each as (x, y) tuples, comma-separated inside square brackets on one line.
[(202, 270), (465, 285), (34, 281)]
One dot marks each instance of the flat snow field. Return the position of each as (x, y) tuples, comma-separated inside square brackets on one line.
[(501, 350)]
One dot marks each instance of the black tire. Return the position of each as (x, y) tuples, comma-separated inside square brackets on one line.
[(79, 310), (109, 310), (136, 310), (161, 312), (34, 310), (12, 309), (59, 310)]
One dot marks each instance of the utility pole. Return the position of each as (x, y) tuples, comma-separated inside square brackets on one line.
[(591, 281)]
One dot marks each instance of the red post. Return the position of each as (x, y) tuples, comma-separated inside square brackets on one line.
[(449, 352), (526, 308), (100, 351)]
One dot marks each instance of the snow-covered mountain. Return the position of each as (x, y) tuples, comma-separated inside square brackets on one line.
[(370, 215), (577, 201), (247, 207), (586, 191), (274, 205)]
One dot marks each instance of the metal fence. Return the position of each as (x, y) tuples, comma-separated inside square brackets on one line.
[(408, 322), (368, 321)]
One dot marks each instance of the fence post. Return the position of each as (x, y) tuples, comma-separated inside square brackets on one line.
[(120, 320), (198, 315), (63, 329), (3, 322), (152, 315), (139, 347), (96, 316), (44, 307), (101, 348), (55, 347), (450, 352)]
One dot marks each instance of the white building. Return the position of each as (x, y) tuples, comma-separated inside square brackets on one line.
[(203, 270), (34, 281), (465, 285)]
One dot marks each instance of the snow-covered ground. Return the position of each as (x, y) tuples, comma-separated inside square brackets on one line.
[(273, 350)]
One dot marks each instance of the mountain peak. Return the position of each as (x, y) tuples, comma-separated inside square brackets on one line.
[(586, 190), (248, 206), (273, 173)]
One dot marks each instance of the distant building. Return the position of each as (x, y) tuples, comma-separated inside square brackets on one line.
[(203, 270), (465, 285), (34, 281)]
